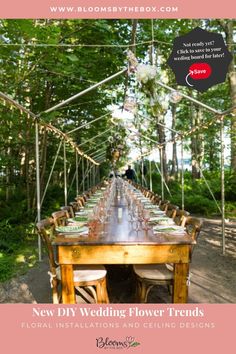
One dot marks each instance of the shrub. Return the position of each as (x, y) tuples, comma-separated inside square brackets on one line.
[(198, 204), (11, 236)]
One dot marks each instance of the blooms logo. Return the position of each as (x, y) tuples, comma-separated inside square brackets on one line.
[(107, 343)]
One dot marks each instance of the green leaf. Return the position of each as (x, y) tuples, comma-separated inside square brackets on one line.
[(134, 344), (72, 57)]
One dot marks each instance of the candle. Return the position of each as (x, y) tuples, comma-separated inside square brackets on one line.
[(120, 213)]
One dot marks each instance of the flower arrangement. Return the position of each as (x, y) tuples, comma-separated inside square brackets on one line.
[(146, 73), (133, 62), (116, 117), (130, 105)]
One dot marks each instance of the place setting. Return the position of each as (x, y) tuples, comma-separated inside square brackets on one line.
[(173, 229), (72, 231)]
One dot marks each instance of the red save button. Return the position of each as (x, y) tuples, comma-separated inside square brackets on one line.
[(199, 71)]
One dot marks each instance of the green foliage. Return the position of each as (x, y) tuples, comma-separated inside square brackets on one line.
[(197, 198), (134, 344), (13, 236), (19, 262), (200, 205), (18, 249), (7, 266), (53, 200)]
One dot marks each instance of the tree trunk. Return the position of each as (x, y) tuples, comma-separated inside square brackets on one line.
[(197, 150), (141, 165), (174, 167), (200, 140), (27, 149), (211, 156), (43, 158), (9, 166), (43, 144), (8, 172), (232, 82)]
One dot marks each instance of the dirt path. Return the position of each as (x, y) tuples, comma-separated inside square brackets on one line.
[(213, 276)]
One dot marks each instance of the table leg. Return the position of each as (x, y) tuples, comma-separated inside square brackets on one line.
[(180, 288), (67, 283)]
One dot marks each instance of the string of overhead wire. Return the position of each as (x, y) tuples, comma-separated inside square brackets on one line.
[(81, 45)]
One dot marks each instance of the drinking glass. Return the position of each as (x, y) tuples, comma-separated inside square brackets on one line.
[(146, 218)]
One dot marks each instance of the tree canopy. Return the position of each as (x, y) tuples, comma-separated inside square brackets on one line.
[(44, 62)]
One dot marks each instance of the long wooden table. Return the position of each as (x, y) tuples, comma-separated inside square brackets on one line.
[(122, 245)]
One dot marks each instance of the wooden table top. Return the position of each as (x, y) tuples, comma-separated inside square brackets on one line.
[(119, 232)]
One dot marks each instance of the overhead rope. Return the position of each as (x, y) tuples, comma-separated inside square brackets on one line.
[(88, 123), (50, 174), (189, 98), (143, 136), (63, 103), (81, 45), (161, 124), (89, 140), (194, 162), (74, 45), (99, 154), (102, 159), (163, 181), (98, 150), (95, 147)]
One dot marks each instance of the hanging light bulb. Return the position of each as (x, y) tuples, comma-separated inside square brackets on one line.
[(118, 136), (110, 139), (175, 97), (115, 121)]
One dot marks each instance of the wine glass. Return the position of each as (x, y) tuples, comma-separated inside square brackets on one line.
[(92, 224), (102, 216), (146, 218)]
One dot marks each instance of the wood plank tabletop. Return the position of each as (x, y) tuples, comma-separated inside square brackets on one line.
[(119, 231)]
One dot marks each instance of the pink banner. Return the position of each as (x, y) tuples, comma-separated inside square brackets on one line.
[(116, 9), (138, 328)]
